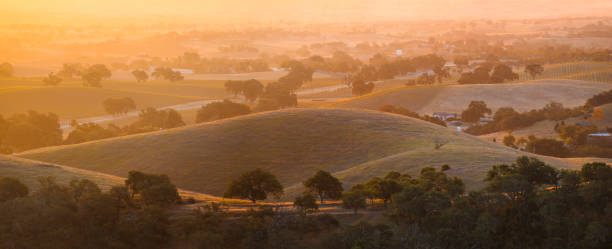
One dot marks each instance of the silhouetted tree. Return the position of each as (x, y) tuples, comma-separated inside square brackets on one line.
[(93, 75), (254, 185), (475, 111), (354, 200), (359, 87), (534, 70), (52, 80), (324, 185)]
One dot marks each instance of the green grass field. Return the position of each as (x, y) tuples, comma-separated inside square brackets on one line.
[(524, 96), (293, 144)]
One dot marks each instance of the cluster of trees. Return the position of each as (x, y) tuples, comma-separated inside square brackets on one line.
[(542, 146), (6, 70), (573, 143), (52, 80), (600, 99), (80, 214), (91, 75), (281, 94), (506, 118), (119, 106), (339, 62), (140, 75), (194, 61), (403, 111), (483, 75), (382, 68), (250, 89), (221, 110), (476, 110), (167, 74), (257, 184), (534, 70), (359, 87), (29, 130), (162, 119)]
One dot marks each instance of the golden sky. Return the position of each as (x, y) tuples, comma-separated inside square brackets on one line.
[(24, 11)]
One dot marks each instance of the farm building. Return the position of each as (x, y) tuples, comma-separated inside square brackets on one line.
[(445, 115)]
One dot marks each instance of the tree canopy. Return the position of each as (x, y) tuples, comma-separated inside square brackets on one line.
[(254, 185), (324, 185), (221, 110)]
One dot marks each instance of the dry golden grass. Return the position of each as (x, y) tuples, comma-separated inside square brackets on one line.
[(28, 171), (293, 144)]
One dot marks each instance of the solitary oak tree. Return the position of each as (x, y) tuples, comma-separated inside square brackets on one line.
[(325, 185), (254, 185)]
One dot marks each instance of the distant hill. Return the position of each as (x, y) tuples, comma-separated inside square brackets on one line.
[(455, 98), (293, 144)]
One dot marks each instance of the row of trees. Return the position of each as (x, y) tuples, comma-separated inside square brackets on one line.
[(118, 106), (91, 75)]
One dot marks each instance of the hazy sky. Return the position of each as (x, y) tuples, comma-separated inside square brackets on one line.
[(19, 11)]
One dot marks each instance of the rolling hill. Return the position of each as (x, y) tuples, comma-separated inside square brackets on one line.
[(293, 144), (455, 98), (28, 171)]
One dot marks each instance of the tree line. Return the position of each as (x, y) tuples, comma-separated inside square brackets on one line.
[(526, 204)]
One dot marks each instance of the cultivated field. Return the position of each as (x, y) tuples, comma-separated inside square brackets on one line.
[(522, 96), (293, 144)]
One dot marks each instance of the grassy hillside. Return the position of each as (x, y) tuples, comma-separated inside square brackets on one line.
[(454, 98), (28, 171), (293, 144)]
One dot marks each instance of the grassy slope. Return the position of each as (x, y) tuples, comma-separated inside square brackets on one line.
[(293, 144), (29, 171), (454, 98)]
